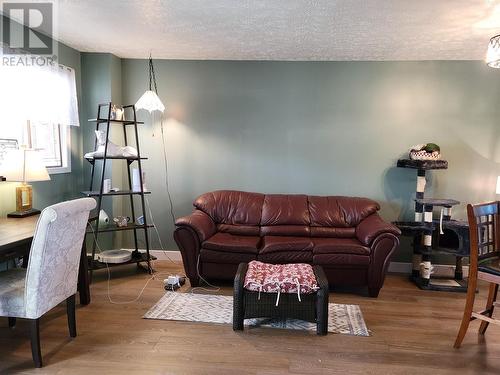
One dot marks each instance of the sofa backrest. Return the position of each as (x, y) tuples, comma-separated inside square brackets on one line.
[(235, 212), (336, 216), (285, 215), (239, 212)]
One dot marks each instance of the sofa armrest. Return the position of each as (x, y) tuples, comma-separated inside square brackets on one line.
[(200, 222), (191, 231), (382, 248), (373, 226)]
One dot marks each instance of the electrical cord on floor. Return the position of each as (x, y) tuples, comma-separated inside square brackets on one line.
[(153, 277), (214, 289)]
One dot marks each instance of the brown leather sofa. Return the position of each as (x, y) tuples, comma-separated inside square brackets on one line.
[(344, 235)]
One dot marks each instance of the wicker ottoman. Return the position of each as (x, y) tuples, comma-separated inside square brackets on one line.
[(313, 307)]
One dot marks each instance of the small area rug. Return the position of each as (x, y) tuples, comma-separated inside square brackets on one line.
[(344, 319)]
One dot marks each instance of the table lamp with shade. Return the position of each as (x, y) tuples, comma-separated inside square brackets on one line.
[(24, 165)]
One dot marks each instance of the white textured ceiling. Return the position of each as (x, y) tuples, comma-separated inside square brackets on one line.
[(282, 29)]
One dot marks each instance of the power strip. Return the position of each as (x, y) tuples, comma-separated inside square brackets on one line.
[(174, 282)]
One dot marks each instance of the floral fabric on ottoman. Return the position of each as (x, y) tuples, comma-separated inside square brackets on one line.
[(280, 278)]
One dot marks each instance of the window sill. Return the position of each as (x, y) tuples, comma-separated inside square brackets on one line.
[(59, 170)]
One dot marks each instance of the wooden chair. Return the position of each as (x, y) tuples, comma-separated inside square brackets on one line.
[(484, 229), (52, 272)]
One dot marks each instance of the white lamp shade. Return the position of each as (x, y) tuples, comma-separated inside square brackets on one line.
[(493, 54), (498, 185), (150, 102), (24, 165)]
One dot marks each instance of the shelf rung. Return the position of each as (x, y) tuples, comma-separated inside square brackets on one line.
[(116, 228), (117, 158), (122, 122), (136, 258), (96, 193)]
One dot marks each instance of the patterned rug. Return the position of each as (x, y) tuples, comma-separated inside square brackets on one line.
[(344, 319)]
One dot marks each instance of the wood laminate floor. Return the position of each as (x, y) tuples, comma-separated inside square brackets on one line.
[(412, 333)]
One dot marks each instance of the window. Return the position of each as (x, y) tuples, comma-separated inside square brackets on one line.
[(38, 104), (53, 141)]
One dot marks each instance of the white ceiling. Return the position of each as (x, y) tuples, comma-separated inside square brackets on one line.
[(282, 29)]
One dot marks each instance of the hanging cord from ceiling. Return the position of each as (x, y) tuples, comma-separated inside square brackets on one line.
[(153, 86), (165, 160), (152, 76)]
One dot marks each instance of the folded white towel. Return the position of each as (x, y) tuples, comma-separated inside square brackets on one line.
[(113, 149)]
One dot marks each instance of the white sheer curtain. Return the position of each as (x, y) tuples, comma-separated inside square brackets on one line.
[(40, 94)]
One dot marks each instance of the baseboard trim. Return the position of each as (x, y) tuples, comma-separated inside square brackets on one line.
[(400, 267), (167, 255), (441, 270)]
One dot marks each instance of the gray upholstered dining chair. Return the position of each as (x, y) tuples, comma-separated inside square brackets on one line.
[(52, 272)]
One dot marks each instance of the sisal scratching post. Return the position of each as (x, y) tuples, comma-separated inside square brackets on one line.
[(419, 213)]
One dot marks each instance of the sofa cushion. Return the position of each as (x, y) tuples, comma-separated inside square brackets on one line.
[(338, 259), (339, 245), (333, 232), (286, 278), (239, 229), (226, 257), (232, 243), (283, 257), (283, 209), (285, 230), (231, 207), (340, 212), (272, 244)]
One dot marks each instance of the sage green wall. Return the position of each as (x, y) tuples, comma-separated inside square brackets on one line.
[(101, 74), (332, 128)]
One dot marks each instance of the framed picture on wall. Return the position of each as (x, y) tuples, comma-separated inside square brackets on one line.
[(7, 144)]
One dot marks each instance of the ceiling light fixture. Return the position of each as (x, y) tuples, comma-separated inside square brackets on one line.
[(150, 100), (493, 54)]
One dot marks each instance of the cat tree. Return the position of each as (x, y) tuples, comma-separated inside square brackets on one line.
[(434, 236)]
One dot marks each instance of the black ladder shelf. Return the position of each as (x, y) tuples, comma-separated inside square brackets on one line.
[(137, 256)]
